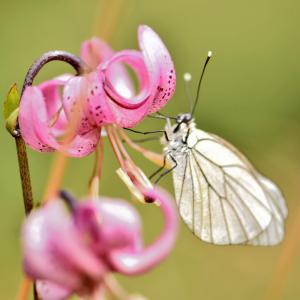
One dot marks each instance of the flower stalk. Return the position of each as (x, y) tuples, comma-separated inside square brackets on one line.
[(24, 174)]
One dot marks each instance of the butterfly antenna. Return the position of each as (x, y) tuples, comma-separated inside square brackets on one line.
[(165, 116), (187, 77), (209, 54)]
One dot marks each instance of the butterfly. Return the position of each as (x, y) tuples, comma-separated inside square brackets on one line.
[(220, 196)]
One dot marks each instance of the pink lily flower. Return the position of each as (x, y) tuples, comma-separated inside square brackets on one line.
[(104, 95), (72, 252)]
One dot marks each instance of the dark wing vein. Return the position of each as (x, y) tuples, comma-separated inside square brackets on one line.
[(217, 193), (223, 210), (203, 174), (247, 191), (183, 181), (244, 204), (193, 197)]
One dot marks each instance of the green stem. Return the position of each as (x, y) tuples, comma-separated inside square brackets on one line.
[(24, 174)]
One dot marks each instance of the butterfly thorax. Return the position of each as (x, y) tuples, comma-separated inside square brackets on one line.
[(178, 136)]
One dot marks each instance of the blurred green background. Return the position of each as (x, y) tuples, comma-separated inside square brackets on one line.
[(250, 96)]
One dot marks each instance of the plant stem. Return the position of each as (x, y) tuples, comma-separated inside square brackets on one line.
[(24, 174), (59, 55)]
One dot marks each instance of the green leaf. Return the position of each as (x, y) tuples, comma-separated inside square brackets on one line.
[(11, 122), (12, 102)]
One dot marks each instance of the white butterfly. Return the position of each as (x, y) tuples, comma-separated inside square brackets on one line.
[(220, 196)]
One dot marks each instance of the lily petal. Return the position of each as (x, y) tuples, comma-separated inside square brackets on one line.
[(159, 64), (33, 120), (49, 242), (48, 290), (95, 52), (40, 247), (76, 93), (133, 262), (53, 101), (33, 104), (156, 76)]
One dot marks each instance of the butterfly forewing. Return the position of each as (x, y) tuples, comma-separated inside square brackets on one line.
[(220, 196)]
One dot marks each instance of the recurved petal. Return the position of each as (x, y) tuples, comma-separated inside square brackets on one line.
[(75, 103), (33, 119), (119, 94), (133, 261), (53, 102), (160, 66), (129, 108), (35, 130), (99, 105), (95, 51)]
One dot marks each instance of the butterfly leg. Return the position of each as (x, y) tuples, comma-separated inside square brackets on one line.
[(156, 158), (167, 171), (148, 132), (160, 169)]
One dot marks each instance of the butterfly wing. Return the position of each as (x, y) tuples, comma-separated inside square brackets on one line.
[(274, 233), (219, 194)]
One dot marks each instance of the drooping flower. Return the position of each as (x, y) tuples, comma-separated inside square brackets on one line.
[(71, 251), (42, 121), (103, 95)]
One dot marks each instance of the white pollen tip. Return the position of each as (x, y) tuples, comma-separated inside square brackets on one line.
[(187, 77), (209, 54)]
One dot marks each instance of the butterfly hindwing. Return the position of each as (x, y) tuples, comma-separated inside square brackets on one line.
[(275, 231)]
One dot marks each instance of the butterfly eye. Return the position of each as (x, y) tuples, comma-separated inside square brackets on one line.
[(187, 118), (179, 118)]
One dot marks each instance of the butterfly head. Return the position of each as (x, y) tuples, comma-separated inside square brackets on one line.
[(178, 132), (183, 123), (183, 119)]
